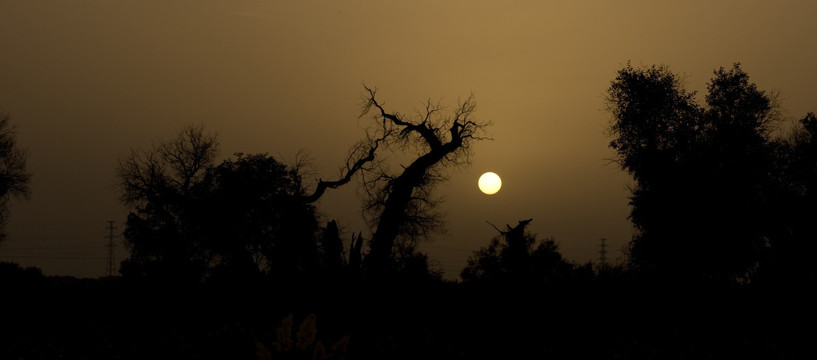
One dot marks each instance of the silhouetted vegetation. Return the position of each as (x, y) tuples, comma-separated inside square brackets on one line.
[(788, 257), (159, 184), (238, 221), (715, 193), (231, 260), (15, 179), (401, 204), (515, 256)]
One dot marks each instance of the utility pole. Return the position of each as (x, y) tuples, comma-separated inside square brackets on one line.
[(603, 252), (110, 249)]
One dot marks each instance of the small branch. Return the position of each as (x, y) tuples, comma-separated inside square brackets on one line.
[(350, 171), (426, 132), (496, 228)]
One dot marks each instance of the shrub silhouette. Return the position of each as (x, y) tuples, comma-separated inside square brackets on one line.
[(516, 256)]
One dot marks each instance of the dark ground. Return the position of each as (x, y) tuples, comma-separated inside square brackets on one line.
[(66, 318)]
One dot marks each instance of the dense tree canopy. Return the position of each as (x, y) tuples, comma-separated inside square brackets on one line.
[(708, 179), (194, 220), (252, 217)]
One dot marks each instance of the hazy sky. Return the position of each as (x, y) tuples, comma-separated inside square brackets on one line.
[(85, 81)]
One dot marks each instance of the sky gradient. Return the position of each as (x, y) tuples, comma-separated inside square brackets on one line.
[(85, 81)]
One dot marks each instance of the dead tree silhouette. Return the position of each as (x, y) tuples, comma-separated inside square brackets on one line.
[(400, 205)]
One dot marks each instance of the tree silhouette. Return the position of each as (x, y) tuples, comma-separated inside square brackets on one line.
[(193, 221), (700, 198), (515, 256), (790, 260), (157, 184), (252, 219), (15, 179), (400, 204), (332, 245)]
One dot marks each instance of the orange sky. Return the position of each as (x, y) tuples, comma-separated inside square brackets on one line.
[(86, 80)]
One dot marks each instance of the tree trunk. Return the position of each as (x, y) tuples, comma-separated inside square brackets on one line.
[(394, 210)]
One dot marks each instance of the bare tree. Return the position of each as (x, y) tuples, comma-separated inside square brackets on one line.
[(175, 164), (361, 157), (15, 179), (401, 203), (157, 184)]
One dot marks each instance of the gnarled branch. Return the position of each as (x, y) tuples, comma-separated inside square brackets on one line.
[(351, 168), (424, 129)]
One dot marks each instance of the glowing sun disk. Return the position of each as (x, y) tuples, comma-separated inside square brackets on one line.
[(489, 183)]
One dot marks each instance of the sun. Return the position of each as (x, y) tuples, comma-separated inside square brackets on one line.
[(489, 183)]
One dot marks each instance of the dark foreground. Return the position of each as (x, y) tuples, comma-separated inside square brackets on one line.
[(65, 318)]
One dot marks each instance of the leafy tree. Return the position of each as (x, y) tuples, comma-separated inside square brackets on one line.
[(252, 218), (700, 198), (194, 220), (516, 256), (157, 184), (15, 179)]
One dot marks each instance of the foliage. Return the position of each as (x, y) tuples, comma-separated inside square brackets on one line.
[(251, 217), (17, 278), (708, 179), (15, 179), (515, 256), (789, 260), (157, 184), (194, 220)]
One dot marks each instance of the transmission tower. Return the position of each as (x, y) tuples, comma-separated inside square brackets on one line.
[(109, 269), (603, 252)]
